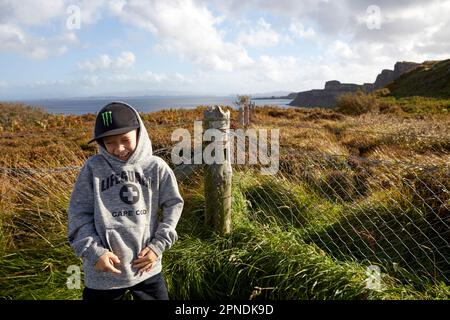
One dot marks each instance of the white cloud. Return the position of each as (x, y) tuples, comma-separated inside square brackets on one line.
[(91, 10), (30, 12), (126, 82), (17, 18), (14, 39), (409, 29), (43, 12), (3, 84), (125, 61), (188, 30), (262, 36), (68, 38), (38, 52), (153, 77), (299, 31), (11, 37), (269, 73), (116, 6), (341, 49), (278, 69)]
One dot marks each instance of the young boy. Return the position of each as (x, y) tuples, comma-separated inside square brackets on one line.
[(113, 211)]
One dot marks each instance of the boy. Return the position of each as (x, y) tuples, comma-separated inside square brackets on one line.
[(113, 211)]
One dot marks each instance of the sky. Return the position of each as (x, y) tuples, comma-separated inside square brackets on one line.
[(66, 48)]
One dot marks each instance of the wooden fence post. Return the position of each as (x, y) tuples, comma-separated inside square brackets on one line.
[(241, 116), (246, 114), (218, 175), (252, 112)]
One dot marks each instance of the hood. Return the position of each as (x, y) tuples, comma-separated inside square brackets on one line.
[(143, 149)]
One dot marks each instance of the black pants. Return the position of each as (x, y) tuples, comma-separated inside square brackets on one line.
[(154, 288)]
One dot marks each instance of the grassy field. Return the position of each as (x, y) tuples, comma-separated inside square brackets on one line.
[(277, 249)]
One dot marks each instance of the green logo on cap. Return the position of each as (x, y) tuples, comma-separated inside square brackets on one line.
[(107, 118)]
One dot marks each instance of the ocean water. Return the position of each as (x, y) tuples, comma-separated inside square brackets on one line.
[(79, 106)]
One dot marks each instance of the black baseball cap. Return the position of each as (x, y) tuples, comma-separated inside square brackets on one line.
[(114, 118)]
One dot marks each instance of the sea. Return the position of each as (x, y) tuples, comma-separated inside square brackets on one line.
[(77, 106)]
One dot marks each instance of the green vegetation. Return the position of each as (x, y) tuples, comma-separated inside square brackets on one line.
[(360, 103), (416, 105), (430, 79), (424, 90), (356, 104), (308, 233), (262, 258)]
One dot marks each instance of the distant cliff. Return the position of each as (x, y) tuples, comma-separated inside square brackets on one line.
[(326, 97), (429, 79), (387, 76)]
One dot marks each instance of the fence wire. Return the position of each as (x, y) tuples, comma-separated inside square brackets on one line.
[(395, 214)]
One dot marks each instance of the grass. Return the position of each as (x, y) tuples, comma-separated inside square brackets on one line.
[(38, 273), (308, 233), (418, 104), (263, 258), (361, 103)]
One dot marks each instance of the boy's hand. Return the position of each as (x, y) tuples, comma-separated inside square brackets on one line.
[(145, 260), (106, 263)]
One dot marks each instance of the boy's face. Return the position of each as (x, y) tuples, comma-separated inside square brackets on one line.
[(121, 145)]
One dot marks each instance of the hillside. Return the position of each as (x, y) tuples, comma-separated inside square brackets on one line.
[(430, 79)]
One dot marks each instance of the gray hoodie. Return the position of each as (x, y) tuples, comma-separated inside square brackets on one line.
[(114, 207)]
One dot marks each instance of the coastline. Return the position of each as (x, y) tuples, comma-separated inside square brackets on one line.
[(79, 106)]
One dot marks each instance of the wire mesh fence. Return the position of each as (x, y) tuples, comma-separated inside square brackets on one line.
[(391, 213)]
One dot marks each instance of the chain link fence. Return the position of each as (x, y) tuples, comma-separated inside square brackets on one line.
[(395, 215), (393, 212), (390, 213)]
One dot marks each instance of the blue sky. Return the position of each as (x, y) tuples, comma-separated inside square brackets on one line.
[(63, 48)]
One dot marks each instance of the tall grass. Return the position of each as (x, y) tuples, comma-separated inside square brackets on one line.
[(263, 258), (35, 254), (283, 244)]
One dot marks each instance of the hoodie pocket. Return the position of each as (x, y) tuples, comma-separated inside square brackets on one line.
[(126, 243)]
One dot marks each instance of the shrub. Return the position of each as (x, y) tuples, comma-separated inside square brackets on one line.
[(383, 92), (389, 107), (356, 104)]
